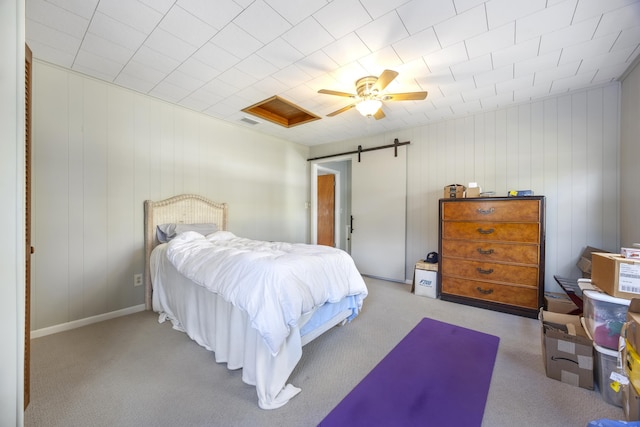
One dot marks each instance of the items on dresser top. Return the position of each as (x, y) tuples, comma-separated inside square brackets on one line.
[(492, 253)]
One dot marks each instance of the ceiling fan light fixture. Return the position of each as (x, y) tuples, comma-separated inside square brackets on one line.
[(368, 107)]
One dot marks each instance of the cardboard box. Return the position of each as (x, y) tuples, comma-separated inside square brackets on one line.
[(557, 302), (472, 192), (454, 191), (566, 349), (425, 279), (584, 262), (630, 403), (616, 275)]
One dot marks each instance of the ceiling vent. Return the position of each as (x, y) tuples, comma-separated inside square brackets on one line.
[(249, 121), (281, 112)]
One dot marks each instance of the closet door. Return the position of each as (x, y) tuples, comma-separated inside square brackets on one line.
[(378, 197)]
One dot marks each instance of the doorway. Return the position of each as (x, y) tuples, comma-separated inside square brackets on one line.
[(334, 220)]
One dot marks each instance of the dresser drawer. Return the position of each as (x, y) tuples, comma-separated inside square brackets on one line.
[(492, 231), (504, 294), (491, 251), (492, 210), (506, 273)]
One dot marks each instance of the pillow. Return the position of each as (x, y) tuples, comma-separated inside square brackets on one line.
[(166, 232), (221, 235)]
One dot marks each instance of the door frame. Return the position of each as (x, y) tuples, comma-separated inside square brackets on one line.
[(318, 169)]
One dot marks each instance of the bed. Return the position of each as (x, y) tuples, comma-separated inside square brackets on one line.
[(214, 302)]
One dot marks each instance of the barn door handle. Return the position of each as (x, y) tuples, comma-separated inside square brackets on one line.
[(351, 225), (488, 231), (483, 252)]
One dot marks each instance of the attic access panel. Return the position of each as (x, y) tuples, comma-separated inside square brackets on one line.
[(281, 112)]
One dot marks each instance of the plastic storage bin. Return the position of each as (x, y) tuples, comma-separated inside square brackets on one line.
[(606, 363), (604, 316)]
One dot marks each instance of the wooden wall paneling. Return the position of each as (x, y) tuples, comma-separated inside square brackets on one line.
[(51, 187), (96, 197), (75, 171)]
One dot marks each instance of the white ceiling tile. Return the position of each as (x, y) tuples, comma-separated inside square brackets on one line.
[(216, 13), (500, 12), (291, 75), (236, 41), (83, 8), (531, 92), (420, 14), (161, 6), (155, 60), (109, 49), (560, 72), (513, 84), (609, 73), (382, 32), (195, 104), (455, 89), (574, 34), (467, 69), (99, 74), (619, 19), (578, 81), (256, 67), (296, 11), (494, 76), (499, 101), (107, 68), (308, 36), (463, 26), (109, 29), (446, 57), (56, 17), (183, 80), (342, 17), (215, 57), (349, 48), (271, 85), (541, 62), (464, 5), (595, 8), (218, 88), (236, 78), (380, 60), (477, 94), (133, 13), (587, 49), (187, 27), (280, 53), (516, 53), (317, 64), (262, 22), (170, 45), (143, 73), (195, 68), (628, 38), (419, 44), (596, 62), (377, 8), (47, 36), (169, 92), (499, 38), (545, 21), (135, 82)]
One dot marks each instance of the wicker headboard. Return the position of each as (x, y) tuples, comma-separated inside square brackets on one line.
[(183, 209)]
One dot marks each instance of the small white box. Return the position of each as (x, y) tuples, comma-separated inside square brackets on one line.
[(426, 283)]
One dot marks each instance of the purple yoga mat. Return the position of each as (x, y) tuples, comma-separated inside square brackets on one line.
[(438, 375)]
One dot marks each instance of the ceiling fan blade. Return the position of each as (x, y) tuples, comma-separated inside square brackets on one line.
[(342, 110), (385, 78), (336, 93), (379, 114), (409, 96)]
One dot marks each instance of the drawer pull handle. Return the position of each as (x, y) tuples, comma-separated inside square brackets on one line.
[(487, 231), (484, 291), (481, 271), (485, 211), (483, 252)]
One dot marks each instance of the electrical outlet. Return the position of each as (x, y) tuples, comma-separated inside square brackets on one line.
[(137, 279)]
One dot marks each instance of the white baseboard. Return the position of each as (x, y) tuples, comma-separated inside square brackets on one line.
[(86, 321)]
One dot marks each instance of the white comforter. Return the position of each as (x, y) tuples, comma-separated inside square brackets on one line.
[(274, 282)]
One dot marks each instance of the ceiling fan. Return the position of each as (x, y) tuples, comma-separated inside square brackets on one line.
[(369, 97)]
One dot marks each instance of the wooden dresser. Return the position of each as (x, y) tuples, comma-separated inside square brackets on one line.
[(492, 253)]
